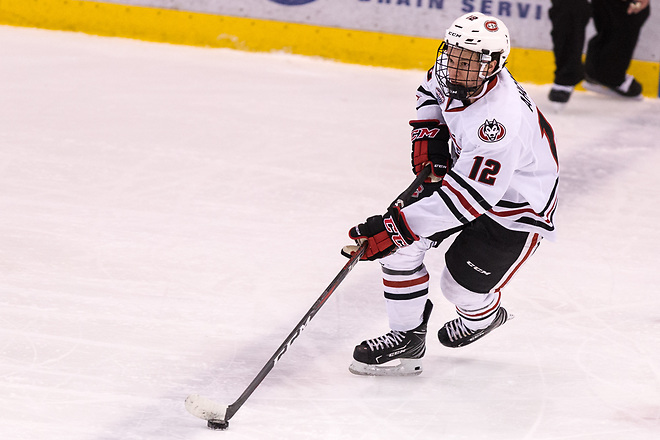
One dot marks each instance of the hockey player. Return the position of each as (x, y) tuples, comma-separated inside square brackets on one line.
[(494, 182)]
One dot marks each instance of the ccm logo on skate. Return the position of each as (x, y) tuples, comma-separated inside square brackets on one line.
[(477, 268), (398, 352)]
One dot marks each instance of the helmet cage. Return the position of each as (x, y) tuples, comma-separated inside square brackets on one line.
[(468, 71)]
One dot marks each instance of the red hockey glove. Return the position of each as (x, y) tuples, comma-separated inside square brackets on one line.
[(430, 144), (385, 235)]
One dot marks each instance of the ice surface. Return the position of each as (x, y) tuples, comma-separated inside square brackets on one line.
[(168, 214)]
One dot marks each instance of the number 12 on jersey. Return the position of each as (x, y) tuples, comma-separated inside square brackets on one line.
[(484, 171)]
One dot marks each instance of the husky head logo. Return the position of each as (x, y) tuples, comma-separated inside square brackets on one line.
[(491, 131)]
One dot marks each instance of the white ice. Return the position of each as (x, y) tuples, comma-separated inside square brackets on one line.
[(168, 214)]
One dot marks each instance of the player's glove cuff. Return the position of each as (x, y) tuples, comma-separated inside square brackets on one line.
[(430, 144)]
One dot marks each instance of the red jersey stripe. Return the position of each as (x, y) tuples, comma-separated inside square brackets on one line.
[(461, 199)]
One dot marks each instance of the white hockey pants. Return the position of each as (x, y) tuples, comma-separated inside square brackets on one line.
[(406, 284)]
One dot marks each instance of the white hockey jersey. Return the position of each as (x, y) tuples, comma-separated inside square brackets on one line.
[(505, 161)]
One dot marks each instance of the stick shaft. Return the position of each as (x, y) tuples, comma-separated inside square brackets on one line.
[(405, 196), (355, 257)]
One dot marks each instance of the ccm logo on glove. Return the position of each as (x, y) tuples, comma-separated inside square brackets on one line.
[(383, 233), (430, 144), (395, 235), (423, 133)]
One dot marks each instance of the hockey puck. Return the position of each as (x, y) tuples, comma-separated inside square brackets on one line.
[(218, 425)]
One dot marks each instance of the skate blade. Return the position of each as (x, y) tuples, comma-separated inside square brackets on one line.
[(406, 367)]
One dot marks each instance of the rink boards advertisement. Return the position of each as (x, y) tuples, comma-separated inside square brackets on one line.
[(527, 19), (391, 33), (420, 18)]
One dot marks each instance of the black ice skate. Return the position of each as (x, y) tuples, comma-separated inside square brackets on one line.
[(407, 348), (455, 334)]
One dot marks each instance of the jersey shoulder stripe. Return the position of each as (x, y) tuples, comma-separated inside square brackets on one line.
[(425, 92), (425, 98)]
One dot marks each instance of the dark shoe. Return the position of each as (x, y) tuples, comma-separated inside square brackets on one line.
[(560, 94), (455, 334), (629, 88)]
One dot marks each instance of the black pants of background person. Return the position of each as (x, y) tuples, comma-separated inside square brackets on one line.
[(609, 52)]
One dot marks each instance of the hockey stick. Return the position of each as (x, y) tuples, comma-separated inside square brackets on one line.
[(217, 414), (405, 196)]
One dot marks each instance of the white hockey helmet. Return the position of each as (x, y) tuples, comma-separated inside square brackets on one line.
[(483, 34), (475, 40)]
